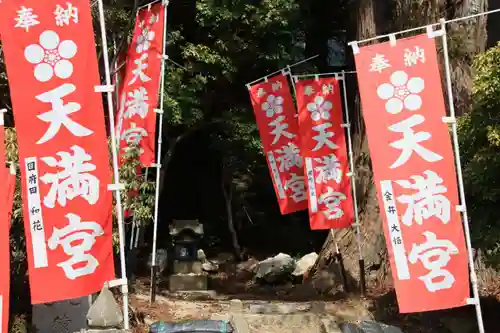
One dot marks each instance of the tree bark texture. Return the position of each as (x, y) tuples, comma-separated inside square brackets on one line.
[(227, 190)]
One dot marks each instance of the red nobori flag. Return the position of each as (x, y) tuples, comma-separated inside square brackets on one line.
[(277, 121), (324, 151), (414, 172), (136, 122), (52, 69)]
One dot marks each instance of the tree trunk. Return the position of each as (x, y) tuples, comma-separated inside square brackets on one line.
[(165, 163), (466, 39), (369, 21), (324, 273), (226, 179)]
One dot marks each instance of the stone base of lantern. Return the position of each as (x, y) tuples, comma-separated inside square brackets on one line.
[(187, 267), (188, 282)]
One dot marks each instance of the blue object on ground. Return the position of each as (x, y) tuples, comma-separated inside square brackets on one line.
[(350, 328), (370, 327), (192, 326)]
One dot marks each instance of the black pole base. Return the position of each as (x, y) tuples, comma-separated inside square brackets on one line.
[(154, 271), (362, 277)]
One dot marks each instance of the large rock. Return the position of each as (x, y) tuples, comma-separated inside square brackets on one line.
[(63, 316), (248, 266), (275, 269), (207, 265), (304, 264)]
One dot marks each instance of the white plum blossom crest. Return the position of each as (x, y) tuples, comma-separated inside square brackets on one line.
[(320, 109), (144, 39), (51, 56), (273, 105), (154, 18), (402, 92)]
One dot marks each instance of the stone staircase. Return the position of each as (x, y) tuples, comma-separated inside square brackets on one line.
[(276, 318), (251, 316)]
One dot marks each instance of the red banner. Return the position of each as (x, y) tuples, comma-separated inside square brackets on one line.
[(277, 121), (52, 69), (414, 172), (325, 155), (136, 121)]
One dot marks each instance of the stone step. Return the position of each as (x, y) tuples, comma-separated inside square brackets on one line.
[(188, 282), (183, 267), (280, 323), (112, 330)]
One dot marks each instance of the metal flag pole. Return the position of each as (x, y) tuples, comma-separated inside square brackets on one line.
[(288, 72), (463, 206), (159, 111), (357, 224), (132, 233), (116, 186)]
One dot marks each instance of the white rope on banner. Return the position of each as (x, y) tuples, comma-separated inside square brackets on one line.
[(463, 206), (354, 44), (158, 158), (265, 77), (117, 68), (117, 186)]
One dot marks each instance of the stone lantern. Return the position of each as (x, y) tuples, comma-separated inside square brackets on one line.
[(186, 236), (188, 274)]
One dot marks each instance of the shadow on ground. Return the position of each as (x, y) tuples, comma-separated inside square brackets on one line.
[(459, 320)]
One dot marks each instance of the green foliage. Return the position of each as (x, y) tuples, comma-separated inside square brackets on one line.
[(479, 133), (139, 193), (216, 48)]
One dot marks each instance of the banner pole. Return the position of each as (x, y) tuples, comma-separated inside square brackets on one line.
[(288, 72), (164, 59), (463, 205), (116, 186), (132, 229), (362, 280)]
